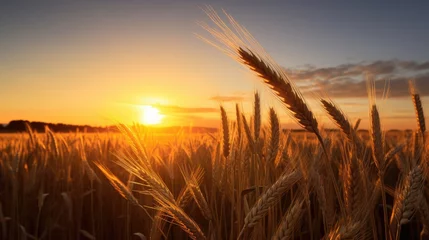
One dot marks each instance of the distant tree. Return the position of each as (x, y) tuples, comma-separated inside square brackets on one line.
[(16, 125)]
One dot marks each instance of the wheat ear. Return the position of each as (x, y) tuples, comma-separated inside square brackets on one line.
[(185, 222), (269, 198), (339, 118), (182, 200), (273, 148), (122, 189), (377, 139), (283, 89), (290, 221), (192, 181), (407, 200), (248, 133), (418, 108), (225, 131), (352, 187)]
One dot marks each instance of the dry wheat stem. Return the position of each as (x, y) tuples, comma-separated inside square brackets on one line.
[(239, 123), (327, 207)]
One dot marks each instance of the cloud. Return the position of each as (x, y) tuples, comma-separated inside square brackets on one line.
[(347, 80), (231, 98), (398, 87), (185, 110)]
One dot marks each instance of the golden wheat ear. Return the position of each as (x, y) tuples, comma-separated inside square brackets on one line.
[(225, 132), (273, 147), (238, 43), (283, 88), (269, 198), (418, 107), (339, 118), (407, 200), (290, 221)]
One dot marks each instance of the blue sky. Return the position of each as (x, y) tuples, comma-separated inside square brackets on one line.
[(88, 62)]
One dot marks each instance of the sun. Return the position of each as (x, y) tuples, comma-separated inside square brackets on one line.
[(150, 115)]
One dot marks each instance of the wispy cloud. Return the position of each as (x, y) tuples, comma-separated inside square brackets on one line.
[(185, 110), (239, 97), (347, 80)]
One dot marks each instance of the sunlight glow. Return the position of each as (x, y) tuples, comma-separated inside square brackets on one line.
[(150, 115)]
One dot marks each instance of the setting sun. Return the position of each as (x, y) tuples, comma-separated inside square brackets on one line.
[(150, 115)]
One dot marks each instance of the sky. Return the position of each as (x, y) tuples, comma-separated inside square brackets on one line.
[(99, 62)]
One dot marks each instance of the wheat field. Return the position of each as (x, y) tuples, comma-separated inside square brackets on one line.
[(248, 181)]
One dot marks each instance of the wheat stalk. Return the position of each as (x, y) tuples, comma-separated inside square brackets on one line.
[(357, 123), (239, 124)]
